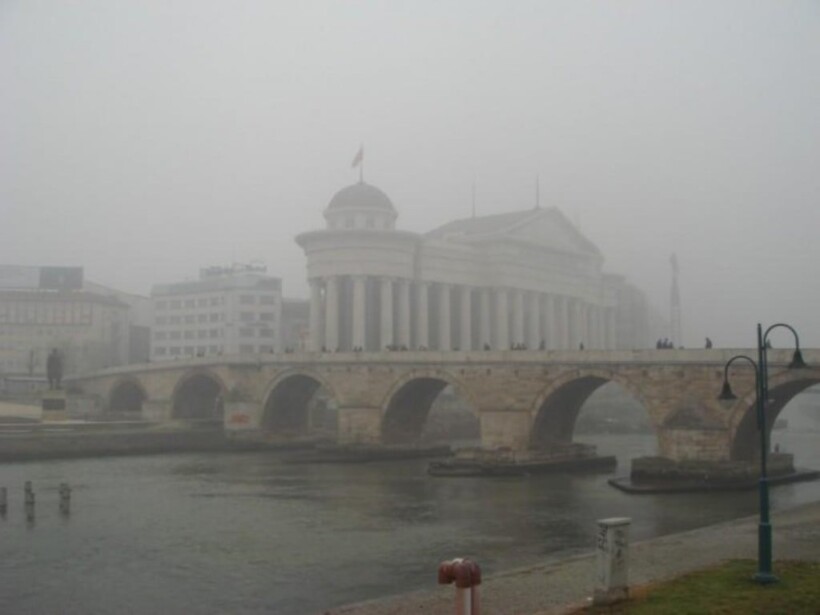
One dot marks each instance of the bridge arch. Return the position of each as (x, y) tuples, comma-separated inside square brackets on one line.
[(197, 395), (286, 408), (126, 395), (407, 405), (556, 408), (783, 387)]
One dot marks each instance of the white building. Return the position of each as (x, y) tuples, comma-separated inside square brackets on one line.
[(233, 310), (521, 279), (42, 308)]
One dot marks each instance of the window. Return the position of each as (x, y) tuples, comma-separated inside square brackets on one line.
[(246, 316), (245, 332), (265, 332), (176, 350), (188, 335), (160, 351), (189, 303), (161, 320), (267, 300), (266, 349), (201, 302), (267, 316), (159, 335), (213, 333), (247, 299), (189, 350), (176, 304), (245, 348), (214, 301), (369, 222), (174, 335), (213, 349), (202, 318), (161, 305), (175, 320), (189, 319), (202, 334)]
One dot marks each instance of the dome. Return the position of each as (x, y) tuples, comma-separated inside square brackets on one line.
[(361, 196)]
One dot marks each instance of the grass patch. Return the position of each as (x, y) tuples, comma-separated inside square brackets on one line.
[(728, 589)]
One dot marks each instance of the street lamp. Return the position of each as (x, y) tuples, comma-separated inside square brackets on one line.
[(764, 537)]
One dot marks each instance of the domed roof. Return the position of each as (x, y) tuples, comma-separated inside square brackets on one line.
[(361, 196)]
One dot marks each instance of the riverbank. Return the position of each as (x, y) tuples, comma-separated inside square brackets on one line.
[(558, 587)]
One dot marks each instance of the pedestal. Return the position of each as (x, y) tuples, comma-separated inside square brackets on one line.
[(54, 406)]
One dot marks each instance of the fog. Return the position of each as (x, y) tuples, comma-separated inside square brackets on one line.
[(144, 140)]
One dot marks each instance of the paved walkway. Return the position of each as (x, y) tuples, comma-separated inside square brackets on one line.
[(549, 589)]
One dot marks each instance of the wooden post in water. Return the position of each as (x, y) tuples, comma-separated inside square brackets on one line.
[(29, 502), (3, 501), (65, 499)]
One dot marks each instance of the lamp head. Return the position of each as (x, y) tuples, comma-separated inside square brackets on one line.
[(797, 360), (726, 394)]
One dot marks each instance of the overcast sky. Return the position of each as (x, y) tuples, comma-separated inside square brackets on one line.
[(145, 139)]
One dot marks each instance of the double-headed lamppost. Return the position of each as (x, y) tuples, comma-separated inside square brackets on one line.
[(764, 535)]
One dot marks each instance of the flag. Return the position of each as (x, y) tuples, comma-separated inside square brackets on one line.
[(359, 157)]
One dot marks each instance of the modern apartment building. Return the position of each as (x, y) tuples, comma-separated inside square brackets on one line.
[(228, 310)]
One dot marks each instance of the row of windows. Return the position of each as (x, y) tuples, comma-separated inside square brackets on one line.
[(189, 319), (177, 304), (61, 313), (214, 317), (210, 333)]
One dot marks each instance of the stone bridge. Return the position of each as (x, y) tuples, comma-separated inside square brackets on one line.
[(521, 398)]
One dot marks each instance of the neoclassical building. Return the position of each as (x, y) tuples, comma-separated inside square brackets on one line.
[(520, 279)]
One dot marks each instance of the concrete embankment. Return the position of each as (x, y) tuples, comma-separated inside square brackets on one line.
[(557, 587), (76, 440)]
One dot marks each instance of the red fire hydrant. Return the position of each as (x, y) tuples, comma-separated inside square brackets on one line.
[(467, 577)]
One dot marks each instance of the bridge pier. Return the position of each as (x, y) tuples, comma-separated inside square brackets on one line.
[(359, 425), (157, 409), (505, 428)]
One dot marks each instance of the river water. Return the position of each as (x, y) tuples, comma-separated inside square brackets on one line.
[(247, 533)]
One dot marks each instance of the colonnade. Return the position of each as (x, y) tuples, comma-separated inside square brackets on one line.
[(374, 313)]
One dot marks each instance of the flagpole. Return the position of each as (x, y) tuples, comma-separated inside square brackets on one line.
[(361, 165), (537, 191)]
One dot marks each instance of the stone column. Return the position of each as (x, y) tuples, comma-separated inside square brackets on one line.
[(387, 313), (484, 318), (611, 331), (518, 317), (404, 314), (316, 337), (502, 329), (358, 312), (465, 341), (422, 330), (444, 339), (332, 314), (534, 323), (550, 322)]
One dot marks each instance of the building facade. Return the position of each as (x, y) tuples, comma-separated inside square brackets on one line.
[(228, 310), (42, 308), (526, 279)]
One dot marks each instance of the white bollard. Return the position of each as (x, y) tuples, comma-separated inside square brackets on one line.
[(612, 569)]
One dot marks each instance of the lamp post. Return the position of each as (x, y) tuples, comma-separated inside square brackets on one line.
[(764, 573)]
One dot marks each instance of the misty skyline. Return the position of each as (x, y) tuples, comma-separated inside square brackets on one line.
[(144, 140)]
